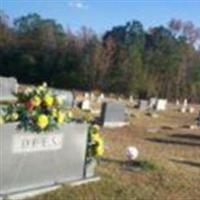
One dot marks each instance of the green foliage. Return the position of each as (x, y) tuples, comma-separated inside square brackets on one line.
[(148, 165), (127, 59)]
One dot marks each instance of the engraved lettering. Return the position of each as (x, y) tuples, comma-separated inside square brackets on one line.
[(32, 143)]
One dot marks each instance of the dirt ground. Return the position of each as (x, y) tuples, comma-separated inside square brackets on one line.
[(167, 142)]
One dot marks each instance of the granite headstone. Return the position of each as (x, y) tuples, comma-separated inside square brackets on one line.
[(113, 114), (143, 104), (152, 102), (31, 161), (8, 85), (161, 104)]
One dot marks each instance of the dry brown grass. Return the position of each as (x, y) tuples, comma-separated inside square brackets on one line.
[(174, 150)]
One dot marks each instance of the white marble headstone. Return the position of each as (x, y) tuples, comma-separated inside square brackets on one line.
[(177, 102), (161, 104), (86, 105), (86, 95), (185, 103), (191, 109), (101, 98), (152, 102), (131, 100)]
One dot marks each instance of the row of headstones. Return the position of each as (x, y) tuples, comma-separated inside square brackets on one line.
[(92, 97), (9, 85), (153, 103), (111, 112), (185, 107), (161, 105)]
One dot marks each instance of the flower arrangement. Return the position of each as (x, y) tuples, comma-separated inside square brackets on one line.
[(95, 142), (38, 110)]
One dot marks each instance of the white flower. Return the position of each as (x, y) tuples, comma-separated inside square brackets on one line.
[(132, 152), (28, 90), (44, 84)]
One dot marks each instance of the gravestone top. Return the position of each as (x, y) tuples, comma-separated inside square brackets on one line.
[(92, 96), (152, 102), (185, 103), (143, 104), (113, 114), (131, 99), (183, 109), (191, 109), (101, 98), (67, 96), (177, 102), (86, 105), (86, 95), (161, 104), (8, 86)]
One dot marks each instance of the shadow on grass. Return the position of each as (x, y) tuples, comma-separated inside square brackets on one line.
[(186, 136), (186, 162), (114, 161), (167, 128), (175, 142), (137, 164)]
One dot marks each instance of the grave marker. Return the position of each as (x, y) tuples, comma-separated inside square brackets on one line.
[(8, 86), (85, 105), (143, 104), (161, 104), (33, 161), (113, 114)]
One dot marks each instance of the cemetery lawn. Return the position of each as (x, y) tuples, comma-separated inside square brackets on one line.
[(172, 169)]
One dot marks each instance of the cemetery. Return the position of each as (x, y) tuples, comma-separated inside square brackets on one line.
[(140, 149), (93, 107)]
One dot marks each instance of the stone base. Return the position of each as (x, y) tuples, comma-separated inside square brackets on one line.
[(115, 124), (85, 181), (39, 191)]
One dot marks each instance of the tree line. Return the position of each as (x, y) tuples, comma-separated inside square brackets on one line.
[(163, 61)]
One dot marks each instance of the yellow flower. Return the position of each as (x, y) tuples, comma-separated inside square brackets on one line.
[(69, 114), (54, 112), (60, 117), (1, 120), (36, 101), (42, 121), (95, 137), (95, 129), (100, 149), (14, 116), (48, 99), (59, 100)]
